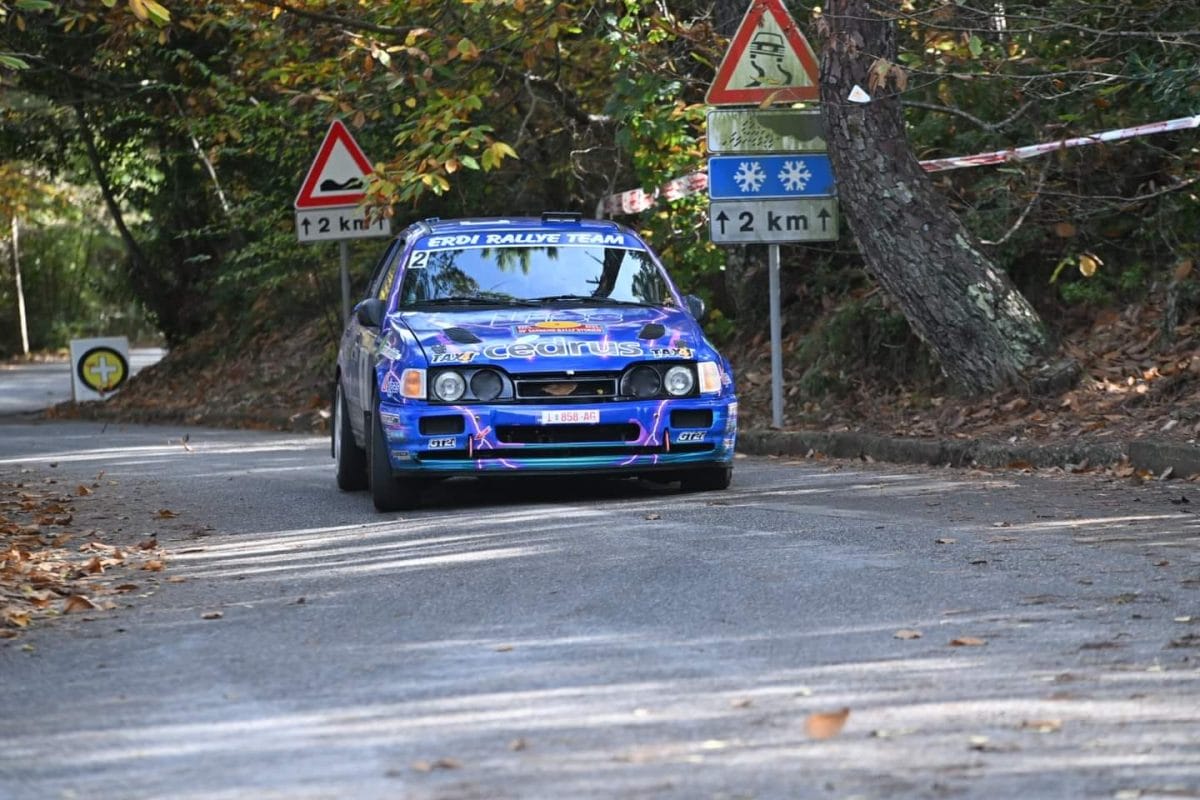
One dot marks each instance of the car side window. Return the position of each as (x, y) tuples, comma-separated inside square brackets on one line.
[(385, 272)]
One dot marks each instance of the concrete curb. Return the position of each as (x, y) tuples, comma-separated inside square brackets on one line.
[(1153, 455)]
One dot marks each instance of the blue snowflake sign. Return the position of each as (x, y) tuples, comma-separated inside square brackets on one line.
[(757, 177)]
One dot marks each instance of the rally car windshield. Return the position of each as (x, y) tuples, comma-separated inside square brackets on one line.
[(533, 276)]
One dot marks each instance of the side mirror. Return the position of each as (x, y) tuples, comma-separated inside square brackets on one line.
[(369, 313), (695, 306)]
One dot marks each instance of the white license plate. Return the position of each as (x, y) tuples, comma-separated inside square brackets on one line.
[(571, 416)]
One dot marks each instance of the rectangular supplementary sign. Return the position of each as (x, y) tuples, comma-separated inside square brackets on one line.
[(758, 177), (339, 222), (758, 130), (807, 219)]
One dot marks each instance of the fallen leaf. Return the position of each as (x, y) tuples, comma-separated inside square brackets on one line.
[(211, 615), (15, 617), (77, 603), (166, 513), (503, 648), (967, 641), (946, 541), (82, 491), (653, 516), (148, 544), (441, 763), (826, 725), (743, 702), (906, 633), (153, 565), (517, 745), (1042, 725)]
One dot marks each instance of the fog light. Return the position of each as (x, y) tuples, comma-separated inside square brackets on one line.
[(486, 385), (641, 382)]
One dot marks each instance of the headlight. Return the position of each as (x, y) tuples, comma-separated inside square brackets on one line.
[(641, 382), (710, 377), (486, 385), (679, 381), (449, 386)]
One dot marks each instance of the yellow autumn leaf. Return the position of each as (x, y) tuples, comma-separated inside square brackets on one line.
[(1088, 264)]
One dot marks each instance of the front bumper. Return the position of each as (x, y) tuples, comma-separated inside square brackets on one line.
[(626, 437)]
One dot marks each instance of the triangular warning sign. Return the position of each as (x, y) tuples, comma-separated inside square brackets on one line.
[(768, 60), (338, 175)]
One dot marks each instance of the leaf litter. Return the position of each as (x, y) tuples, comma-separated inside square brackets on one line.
[(51, 563)]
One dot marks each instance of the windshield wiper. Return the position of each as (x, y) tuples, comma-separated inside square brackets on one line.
[(473, 300), (584, 298)]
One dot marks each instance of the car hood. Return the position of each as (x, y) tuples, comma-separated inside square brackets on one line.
[(556, 338)]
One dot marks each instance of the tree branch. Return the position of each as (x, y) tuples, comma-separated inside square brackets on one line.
[(136, 256)]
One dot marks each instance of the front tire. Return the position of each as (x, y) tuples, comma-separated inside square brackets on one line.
[(388, 492), (708, 479), (351, 459)]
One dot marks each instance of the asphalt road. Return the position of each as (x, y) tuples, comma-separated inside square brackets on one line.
[(587, 639)]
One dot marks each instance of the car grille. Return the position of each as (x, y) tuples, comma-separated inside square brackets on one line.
[(564, 388), (566, 434)]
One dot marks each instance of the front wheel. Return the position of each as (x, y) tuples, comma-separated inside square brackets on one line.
[(708, 479), (388, 492), (351, 459)]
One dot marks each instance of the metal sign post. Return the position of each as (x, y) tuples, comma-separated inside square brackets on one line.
[(344, 253), (776, 338)]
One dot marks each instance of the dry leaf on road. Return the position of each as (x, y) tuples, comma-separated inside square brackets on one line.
[(1042, 725), (967, 641), (826, 725), (77, 603), (906, 633)]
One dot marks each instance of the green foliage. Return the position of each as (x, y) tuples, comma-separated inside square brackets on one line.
[(1045, 71)]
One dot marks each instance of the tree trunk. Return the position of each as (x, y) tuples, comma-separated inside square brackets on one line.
[(16, 263), (984, 333)]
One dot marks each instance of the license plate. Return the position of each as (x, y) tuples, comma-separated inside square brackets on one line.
[(571, 416)]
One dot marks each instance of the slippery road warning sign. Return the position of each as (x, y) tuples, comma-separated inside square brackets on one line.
[(768, 61)]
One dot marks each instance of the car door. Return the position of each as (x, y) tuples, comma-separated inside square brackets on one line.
[(362, 344)]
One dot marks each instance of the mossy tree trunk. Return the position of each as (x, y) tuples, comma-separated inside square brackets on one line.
[(984, 333)]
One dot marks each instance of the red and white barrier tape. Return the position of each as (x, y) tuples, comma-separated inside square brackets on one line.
[(638, 200)]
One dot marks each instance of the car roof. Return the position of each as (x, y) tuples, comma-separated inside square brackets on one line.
[(549, 221)]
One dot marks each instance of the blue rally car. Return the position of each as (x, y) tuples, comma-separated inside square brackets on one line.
[(504, 346)]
